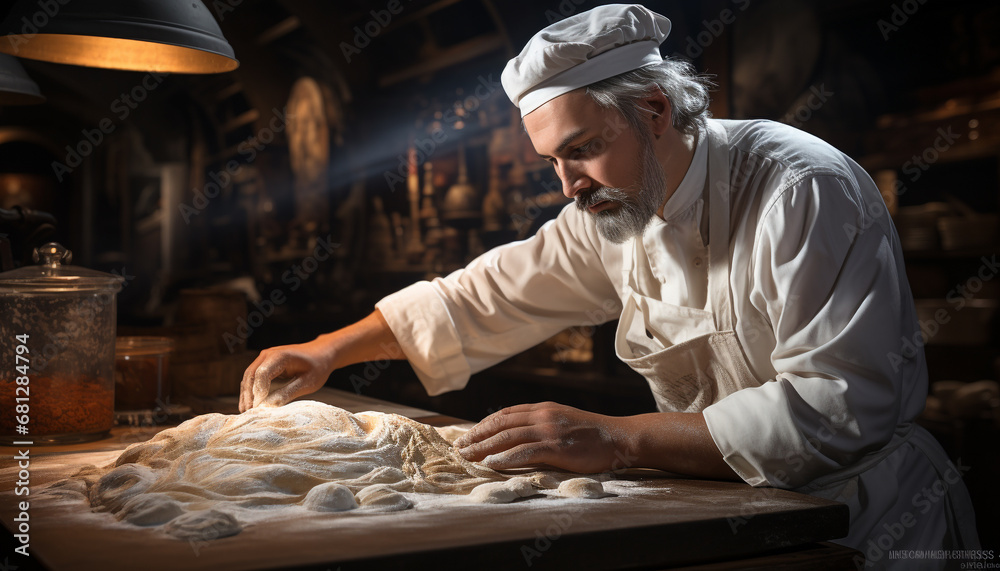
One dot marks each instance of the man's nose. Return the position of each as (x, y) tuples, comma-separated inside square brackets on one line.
[(573, 180)]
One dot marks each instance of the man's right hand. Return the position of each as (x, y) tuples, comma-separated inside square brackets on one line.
[(306, 366)]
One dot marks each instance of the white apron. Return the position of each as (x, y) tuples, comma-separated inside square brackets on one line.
[(688, 376)]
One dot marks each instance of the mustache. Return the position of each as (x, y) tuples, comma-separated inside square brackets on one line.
[(589, 198)]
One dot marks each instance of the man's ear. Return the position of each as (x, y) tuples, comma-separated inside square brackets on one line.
[(659, 111)]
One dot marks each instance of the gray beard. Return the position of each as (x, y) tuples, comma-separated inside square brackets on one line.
[(633, 213)]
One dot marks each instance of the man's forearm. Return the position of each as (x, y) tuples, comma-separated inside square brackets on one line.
[(370, 339), (677, 442)]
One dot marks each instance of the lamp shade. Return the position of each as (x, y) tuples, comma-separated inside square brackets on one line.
[(169, 36), (16, 88)]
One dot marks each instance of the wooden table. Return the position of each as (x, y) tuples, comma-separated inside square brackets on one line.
[(681, 523)]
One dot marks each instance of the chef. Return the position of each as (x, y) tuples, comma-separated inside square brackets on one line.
[(758, 283)]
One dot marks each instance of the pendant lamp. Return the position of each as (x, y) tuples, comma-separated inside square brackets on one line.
[(16, 88), (168, 36)]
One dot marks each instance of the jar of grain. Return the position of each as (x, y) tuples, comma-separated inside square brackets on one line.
[(57, 351)]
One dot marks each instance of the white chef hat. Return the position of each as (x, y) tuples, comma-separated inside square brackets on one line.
[(583, 49)]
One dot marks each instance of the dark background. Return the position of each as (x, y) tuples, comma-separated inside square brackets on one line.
[(878, 79)]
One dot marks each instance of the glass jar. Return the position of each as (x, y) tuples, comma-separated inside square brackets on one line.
[(141, 373), (57, 351)]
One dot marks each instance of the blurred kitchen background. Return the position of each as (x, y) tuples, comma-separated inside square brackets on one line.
[(361, 146)]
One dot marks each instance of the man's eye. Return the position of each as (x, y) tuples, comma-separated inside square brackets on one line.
[(583, 149)]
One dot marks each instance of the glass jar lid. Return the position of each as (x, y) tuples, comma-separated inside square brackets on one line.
[(53, 275)]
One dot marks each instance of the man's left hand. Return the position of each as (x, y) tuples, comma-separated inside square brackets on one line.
[(546, 433)]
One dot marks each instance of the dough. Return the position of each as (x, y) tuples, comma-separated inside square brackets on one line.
[(150, 509), (190, 478), (384, 498), (203, 525), (502, 492), (197, 481), (581, 488), (330, 497)]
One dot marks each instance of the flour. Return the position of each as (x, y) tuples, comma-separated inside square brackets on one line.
[(213, 474)]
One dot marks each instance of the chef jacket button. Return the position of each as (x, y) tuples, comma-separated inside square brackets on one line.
[(648, 334), (697, 262)]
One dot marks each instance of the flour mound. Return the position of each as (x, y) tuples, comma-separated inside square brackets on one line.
[(192, 478)]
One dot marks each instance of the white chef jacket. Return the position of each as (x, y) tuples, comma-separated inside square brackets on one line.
[(823, 310)]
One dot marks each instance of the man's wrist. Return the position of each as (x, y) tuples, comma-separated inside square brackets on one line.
[(369, 339), (330, 353), (627, 441)]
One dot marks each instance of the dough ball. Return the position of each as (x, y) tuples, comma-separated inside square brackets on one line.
[(330, 497), (384, 498), (582, 488), (120, 485), (386, 475), (203, 525), (502, 492), (544, 481), (150, 509), (70, 488)]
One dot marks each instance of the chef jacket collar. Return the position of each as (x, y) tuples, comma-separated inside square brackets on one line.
[(693, 184)]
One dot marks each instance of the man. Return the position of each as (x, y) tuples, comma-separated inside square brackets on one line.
[(757, 288)]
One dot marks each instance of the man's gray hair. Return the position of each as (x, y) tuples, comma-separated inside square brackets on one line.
[(677, 79)]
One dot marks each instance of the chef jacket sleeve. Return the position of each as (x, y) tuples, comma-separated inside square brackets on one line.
[(505, 301), (827, 277)]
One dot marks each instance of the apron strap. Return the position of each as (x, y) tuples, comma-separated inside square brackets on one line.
[(628, 262), (718, 194)]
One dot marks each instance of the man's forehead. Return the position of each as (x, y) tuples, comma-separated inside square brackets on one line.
[(566, 115)]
